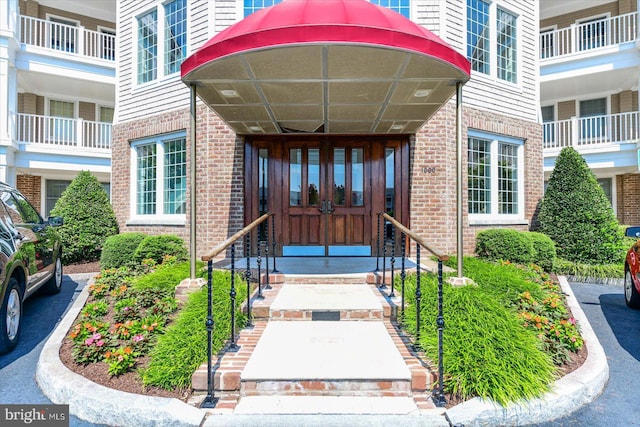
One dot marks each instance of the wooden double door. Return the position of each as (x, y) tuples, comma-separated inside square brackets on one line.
[(325, 192)]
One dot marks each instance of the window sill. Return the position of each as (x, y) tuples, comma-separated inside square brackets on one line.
[(497, 221), (177, 220)]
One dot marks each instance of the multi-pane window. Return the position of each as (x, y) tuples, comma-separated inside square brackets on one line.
[(478, 35), (548, 125), (592, 33), (592, 118), (487, 46), (175, 39), (147, 46), (400, 6), (161, 175), (162, 40), (506, 44), (494, 181), (62, 129)]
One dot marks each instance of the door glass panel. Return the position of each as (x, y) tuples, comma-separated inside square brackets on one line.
[(357, 177), (263, 188), (313, 179), (390, 191), (339, 180), (295, 177)]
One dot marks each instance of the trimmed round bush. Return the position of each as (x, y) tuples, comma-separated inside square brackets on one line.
[(504, 244), (577, 215), (544, 250), (156, 247), (119, 250), (88, 219)]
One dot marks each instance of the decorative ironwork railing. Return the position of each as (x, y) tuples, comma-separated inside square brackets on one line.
[(587, 131), (589, 35), (62, 132), (260, 230), (388, 234), (67, 38)]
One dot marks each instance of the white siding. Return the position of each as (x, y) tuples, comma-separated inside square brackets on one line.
[(487, 92)]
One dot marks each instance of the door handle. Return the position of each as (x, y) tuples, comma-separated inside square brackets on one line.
[(323, 207), (329, 208)]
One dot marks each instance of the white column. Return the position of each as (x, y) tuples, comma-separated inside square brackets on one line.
[(9, 45)]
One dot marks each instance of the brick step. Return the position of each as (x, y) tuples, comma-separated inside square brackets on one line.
[(325, 315), (328, 387)]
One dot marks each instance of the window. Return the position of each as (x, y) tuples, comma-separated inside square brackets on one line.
[(507, 55), (147, 47), (592, 33), (547, 43), (495, 176), (20, 209), (61, 123), (162, 40), (592, 118), (478, 35), (160, 174), (54, 189), (175, 38), (104, 133), (108, 44), (63, 34), (486, 47), (548, 127), (607, 187), (400, 6)]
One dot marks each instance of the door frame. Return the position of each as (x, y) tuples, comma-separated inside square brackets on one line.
[(277, 167)]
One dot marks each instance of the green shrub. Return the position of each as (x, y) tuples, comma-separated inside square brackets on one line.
[(577, 215), (544, 250), (183, 347), (166, 276), (504, 244), (88, 219), (157, 247), (118, 250), (487, 352)]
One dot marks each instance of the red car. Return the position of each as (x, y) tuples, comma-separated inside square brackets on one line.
[(632, 270)]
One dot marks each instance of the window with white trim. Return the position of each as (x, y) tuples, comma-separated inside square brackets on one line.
[(162, 40), (492, 50), (160, 175), (495, 176)]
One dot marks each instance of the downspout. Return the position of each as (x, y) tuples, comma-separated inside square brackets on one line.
[(192, 187), (460, 251)]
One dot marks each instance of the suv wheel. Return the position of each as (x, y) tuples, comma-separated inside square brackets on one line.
[(10, 316), (54, 284), (631, 295)]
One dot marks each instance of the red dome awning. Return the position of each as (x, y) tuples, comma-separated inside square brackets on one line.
[(332, 66)]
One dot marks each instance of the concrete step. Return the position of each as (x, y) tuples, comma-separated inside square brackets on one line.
[(326, 302), (326, 358), (325, 405)]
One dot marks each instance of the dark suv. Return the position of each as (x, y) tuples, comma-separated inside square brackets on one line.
[(30, 253)]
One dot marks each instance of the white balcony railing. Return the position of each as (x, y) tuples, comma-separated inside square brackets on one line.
[(62, 132), (588, 131), (67, 38), (589, 35)]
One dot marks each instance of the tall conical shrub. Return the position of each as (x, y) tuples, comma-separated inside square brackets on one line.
[(88, 219), (577, 215)]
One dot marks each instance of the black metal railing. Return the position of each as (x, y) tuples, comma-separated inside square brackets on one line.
[(244, 236), (391, 229)]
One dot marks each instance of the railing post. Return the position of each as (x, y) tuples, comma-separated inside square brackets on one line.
[(393, 260), (232, 294), (384, 254), (416, 344), (273, 242), (79, 136), (438, 394), (378, 245), (266, 254), (574, 39), (209, 401), (575, 132), (403, 276), (259, 262), (80, 33), (247, 278)]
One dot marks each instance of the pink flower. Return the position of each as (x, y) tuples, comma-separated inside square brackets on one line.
[(96, 336), (88, 341), (138, 338), (100, 343), (572, 320)]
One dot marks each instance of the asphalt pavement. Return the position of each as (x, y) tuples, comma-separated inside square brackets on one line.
[(618, 330), (40, 317)]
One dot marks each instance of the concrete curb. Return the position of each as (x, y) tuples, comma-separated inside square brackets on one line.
[(98, 404), (568, 394)]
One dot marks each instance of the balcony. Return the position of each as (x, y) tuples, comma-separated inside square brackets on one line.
[(592, 132), (59, 133), (74, 40), (587, 36)]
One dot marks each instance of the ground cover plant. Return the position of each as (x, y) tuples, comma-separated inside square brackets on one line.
[(504, 338), (132, 324)]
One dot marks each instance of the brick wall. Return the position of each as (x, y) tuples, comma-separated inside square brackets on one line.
[(31, 187), (433, 190), (219, 171), (628, 198)]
